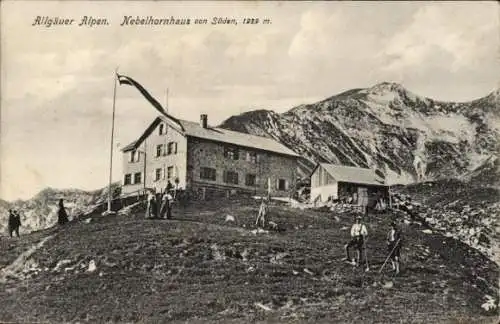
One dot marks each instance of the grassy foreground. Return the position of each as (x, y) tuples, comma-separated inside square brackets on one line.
[(201, 268)]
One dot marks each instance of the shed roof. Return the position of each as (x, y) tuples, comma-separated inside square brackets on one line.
[(351, 174)]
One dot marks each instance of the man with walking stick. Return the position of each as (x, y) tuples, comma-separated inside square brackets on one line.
[(394, 246)]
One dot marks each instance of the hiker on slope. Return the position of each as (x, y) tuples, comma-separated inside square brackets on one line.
[(358, 238), (394, 246), (14, 222), (62, 215)]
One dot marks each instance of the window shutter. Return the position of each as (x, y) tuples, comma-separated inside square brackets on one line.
[(287, 185), (224, 176), (257, 181), (175, 147), (277, 184)]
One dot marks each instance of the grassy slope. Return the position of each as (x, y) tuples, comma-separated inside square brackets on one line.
[(155, 270)]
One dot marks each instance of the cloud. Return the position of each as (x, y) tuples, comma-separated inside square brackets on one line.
[(459, 34)]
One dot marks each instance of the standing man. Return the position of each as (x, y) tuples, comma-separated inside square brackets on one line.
[(151, 209), (170, 186), (394, 246), (358, 237), (166, 206), (261, 216)]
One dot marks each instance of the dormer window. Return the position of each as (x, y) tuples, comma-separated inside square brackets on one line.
[(231, 153)]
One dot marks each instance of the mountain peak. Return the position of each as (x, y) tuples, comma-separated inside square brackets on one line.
[(387, 86)]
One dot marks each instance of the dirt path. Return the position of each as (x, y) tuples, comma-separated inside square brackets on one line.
[(19, 262)]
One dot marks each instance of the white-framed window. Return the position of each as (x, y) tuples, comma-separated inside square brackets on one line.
[(172, 148), (158, 174), (231, 152), (231, 177), (208, 174), (134, 156), (252, 157), (160, 150), (170, 172), (250, 180), (137, 177), (127, 180)]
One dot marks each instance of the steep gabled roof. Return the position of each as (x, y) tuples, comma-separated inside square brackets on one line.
[(350, 174), (129, 147), (192, 129)]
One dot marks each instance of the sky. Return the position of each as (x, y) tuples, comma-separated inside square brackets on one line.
[(57, 82)]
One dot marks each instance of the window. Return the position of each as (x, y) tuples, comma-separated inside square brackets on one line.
[(134, 156), (137, 177), (160, 149), (170, 172), (282, 185), (250, 180), (251, 157), (231, 177), (231, 153), (158, 174), (208, 174), (127, 180), (172, 148), (161, 129)]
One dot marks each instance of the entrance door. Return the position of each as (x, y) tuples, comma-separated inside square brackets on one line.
[(362, 196)]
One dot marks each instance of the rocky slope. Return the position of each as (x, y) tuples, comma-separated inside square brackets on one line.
[(453, 208), (40, 211), (412, 138)]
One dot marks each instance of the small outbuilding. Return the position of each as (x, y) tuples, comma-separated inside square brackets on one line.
[(359, 186)]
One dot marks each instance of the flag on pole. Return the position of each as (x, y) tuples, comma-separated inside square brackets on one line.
[(122, 79)]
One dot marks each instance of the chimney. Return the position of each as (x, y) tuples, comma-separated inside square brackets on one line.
[(204, 120)]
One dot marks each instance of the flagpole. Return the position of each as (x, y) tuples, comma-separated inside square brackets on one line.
[(110, 194)]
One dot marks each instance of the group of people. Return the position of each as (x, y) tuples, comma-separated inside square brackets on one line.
[(160, 205), (358, 233), (14, 222), (358, 241)]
